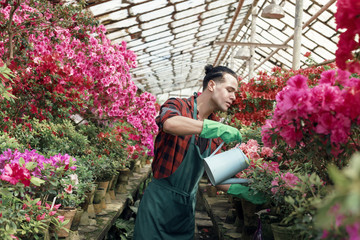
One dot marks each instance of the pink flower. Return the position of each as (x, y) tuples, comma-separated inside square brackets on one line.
[(298, 82), (69, 189), (38, 218), (354, 231), (56, 206), (266, 152), (27, 217), (325, 234), (61, 218), (253, 156), (47, 206), (14, 237), (52, 213), (13, 174), (290, 179), (275, 182), (328, 77)]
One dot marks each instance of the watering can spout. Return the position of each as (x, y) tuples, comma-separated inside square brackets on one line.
[(221, 167)]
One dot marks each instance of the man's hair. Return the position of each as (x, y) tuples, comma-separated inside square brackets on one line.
[(216, 74)]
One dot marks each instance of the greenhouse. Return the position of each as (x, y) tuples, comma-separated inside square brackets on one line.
[(180, 119)]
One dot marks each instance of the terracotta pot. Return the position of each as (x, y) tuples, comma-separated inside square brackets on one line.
[(76, 220), (99, 194), (113, 182), (104, 185), (124, 175), (97, 208), (84, 206), (69, 214)]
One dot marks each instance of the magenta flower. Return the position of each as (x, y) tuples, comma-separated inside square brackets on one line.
[(40, 217), (298, 82), (61, 218), (13, 174), (354, 231), (290, 179)]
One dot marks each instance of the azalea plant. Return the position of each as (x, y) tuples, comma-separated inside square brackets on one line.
[(64, 64), (319, 124), (21, 212), (255, 99), (347, 54)]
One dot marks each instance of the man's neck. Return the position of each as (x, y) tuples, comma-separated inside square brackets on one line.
[(204, 106)]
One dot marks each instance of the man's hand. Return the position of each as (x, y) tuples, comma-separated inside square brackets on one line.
[(213, 129)]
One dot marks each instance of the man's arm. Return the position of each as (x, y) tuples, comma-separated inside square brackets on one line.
[(181, 126)]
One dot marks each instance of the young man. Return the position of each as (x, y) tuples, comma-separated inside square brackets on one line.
[(187, 134)]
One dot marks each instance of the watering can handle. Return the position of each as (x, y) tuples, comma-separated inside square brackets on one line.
[(217, 149)]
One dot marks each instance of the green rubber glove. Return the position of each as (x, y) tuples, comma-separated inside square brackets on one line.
[(213, 129)]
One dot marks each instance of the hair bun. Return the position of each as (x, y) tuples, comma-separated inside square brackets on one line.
[(208, 68)]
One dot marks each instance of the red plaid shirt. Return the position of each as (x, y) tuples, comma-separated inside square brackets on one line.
[(170, 150)]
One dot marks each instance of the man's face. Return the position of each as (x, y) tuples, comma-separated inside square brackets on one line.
[(224, 92)]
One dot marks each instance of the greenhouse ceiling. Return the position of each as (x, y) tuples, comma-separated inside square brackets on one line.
[(175, 39)]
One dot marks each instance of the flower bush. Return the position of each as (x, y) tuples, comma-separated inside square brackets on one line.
[(321, 124), (255, 99), (58, 172), (22, 214), (347, 11), (63, 64)]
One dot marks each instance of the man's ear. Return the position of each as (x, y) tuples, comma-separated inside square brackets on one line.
[(211, 85)]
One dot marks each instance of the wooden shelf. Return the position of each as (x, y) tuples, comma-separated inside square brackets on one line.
[(107, 217)]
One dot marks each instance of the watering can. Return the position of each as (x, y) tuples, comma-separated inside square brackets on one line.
[(221, 167)]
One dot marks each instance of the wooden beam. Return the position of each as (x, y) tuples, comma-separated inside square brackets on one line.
[(315, 16), (251, 44), (237, 11)]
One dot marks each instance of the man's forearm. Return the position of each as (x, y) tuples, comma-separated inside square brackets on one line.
[(181, 126)]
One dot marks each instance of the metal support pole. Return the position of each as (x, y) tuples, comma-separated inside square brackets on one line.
[(252, 39), (297, 34), (232, 58)]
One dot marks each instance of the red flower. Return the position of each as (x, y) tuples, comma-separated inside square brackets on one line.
[(13, 174), (38, 218), (69, 189)]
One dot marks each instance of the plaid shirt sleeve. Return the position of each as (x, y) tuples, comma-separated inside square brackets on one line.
[(170, 150)]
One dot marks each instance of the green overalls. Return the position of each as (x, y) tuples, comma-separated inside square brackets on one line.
[(167, 209)]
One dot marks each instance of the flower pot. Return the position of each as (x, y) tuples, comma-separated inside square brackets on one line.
[(282, 232), (104, 185), (69, 214), (124, 175), (266, 221), (88, 196), (112, 194), (99, 195), (76, 220), (113, 181), (97, 208)]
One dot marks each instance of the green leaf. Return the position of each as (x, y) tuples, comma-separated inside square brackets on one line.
[(36, 181), (21, 161), (30, 165)]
